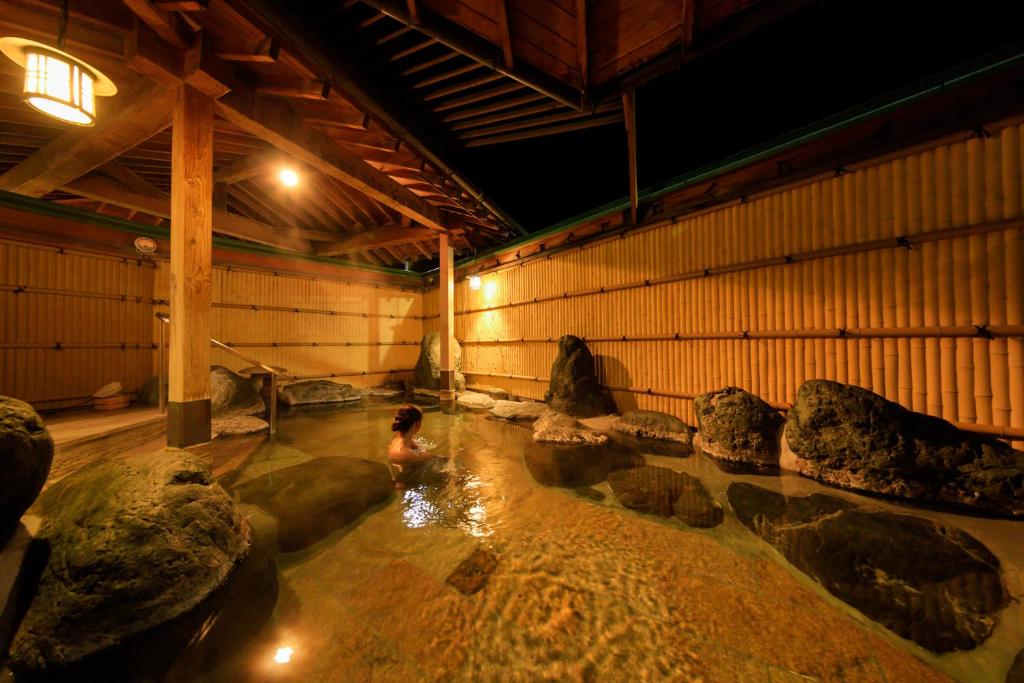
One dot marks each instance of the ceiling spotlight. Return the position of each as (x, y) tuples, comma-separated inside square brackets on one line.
[(289, 178)]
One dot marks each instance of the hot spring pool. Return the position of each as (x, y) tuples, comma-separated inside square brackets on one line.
[(574, 585)]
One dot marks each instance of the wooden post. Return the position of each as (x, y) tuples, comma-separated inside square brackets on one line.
[(629, 111), (446, 306), (188, 419)]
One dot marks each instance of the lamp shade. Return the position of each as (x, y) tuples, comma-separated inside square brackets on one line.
[(57, 83), (474, 282)]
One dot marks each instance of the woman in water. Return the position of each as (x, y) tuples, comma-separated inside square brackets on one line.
[(403, 450)]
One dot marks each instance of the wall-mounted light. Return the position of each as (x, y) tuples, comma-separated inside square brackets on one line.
[(56, 83), (474, 282), (289, 178)]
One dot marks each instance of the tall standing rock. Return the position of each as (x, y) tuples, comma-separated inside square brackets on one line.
[(26, 453), (133, 543), (428, 365), (737, 426), (574, 388), (849, 437)]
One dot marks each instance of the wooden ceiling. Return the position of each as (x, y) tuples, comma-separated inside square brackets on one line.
[(367, 194)]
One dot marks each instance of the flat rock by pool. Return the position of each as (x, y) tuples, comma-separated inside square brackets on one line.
[(930, 583), (318, 391), (527, 411), (313, 499), (666, 493), (133, 543)]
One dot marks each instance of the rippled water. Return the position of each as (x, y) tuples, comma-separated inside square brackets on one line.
[(582, 588)]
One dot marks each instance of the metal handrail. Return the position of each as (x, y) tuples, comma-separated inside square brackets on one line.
[(272, 409)]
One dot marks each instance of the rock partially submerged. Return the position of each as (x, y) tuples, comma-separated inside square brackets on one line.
[(381, 393), (562, 429), (739, 427), (849, 437), (573, 388), (666, 493), (472, 573), (318, 391), (231, 394), (26, 453), (428, 365), (526, 411), (928, 582), (497, 393), (315, 498), (471, 400), (239, 425), (133, 543), (650, 424), (582, 466)]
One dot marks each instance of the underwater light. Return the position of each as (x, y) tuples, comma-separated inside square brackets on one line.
[(474, 282)]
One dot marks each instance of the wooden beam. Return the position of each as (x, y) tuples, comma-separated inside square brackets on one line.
[(167, 25), (689, 11), (414, 11), (299, 88), (146, 53), (447, 75), (478, 97), (278, 124), (102, 189), (265, 52), (506, 115), (505, 34), (142, 112), (247, 167), (534, 122), (629, 113), (582, 54), (594, 122), (129, 178), (373, 239), (188, 417), (459, 87), (182, 5)]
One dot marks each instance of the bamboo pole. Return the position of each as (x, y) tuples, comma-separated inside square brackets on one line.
[(978, 267)]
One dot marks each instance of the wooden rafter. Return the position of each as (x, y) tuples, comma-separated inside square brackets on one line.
[(582, 55), (505, 35), (247, 167)]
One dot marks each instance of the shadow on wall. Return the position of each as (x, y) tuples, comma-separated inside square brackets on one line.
[(611, 372)]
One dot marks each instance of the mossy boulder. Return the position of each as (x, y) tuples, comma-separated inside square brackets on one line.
[(849, 437), (313, 499), (133, 544), (26, 453), (427, 372), (231, 394), (737, 426), (573, 387), (653, 425), (666, 493), (928, 582), (316, 391)]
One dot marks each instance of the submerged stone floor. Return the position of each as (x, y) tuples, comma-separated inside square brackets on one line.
[(550, 584)]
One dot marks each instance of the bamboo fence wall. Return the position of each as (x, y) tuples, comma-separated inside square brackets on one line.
[(71, 322), (364, 334), (904, 275)]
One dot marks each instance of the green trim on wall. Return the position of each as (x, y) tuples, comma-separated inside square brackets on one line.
[(891, 102), (43, 207)]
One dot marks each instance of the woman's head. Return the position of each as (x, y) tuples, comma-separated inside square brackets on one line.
[(408, 418)]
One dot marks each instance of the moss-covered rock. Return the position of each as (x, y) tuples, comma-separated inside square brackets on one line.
[(928, 582), (737, 426), (318, 391), (231, 394), (666, 493), (573, 387), (26, 453), (133, 543), (315, 498), (427, 372), (562, 429), (849, 437)]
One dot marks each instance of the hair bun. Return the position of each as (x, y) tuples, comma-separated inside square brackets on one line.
[(406, 417)]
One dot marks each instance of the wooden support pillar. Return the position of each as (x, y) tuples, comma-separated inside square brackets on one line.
[(629, 111), (446, 293), (188, 417)]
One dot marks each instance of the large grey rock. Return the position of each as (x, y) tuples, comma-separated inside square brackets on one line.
[(739, 427), (573, 387), (562, 429), (318, 391), (231, 394), (650, 424), (666, 493), (497, 393), (852, 438), (471, 400), (317, 497), (527, 411), (930, 583), (428, 366), (26, 453), (133, 543)]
